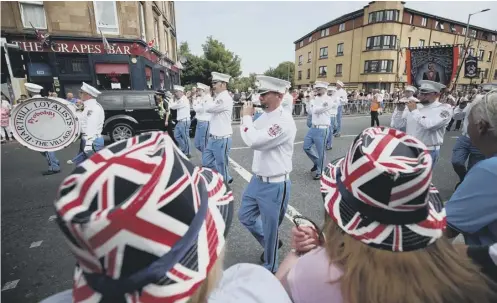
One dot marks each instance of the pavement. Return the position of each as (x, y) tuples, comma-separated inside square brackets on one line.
[(36, 262)]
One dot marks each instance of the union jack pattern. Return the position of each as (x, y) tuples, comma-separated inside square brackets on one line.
[(128, 205), (389, 171)]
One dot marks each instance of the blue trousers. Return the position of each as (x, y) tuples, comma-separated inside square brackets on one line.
[(316, 137), (261, 211), (97, 145), (338, 127), (181, 134), (435, 154), (201, 135), (256, 116), (309, 120), (53, 162), (465, 151), (331, 131), (215, 156)]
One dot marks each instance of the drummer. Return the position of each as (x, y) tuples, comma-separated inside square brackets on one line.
[(52, 161)]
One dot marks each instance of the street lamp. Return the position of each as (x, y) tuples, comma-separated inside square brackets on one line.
[(467, 25)]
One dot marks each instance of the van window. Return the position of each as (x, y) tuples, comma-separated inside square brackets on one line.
[(138, 101), (111, 101)]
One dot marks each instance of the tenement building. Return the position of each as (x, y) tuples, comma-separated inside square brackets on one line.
[(365, 49), (141, 52)]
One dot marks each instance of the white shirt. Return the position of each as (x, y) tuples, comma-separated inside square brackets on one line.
[(221, 109), (321, 108), (460, 114), (6, 105), (92, 120), (427, 123), (333, 111), (287, 102), (183, 108), (199, 108), (271, 137), (341, 95)]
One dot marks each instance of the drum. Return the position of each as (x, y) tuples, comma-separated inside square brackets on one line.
[(45, 124)]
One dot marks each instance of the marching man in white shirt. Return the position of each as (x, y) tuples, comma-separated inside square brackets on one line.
[(266, 197), (287, 102), (341, 95), (399, 111), (203, 117), (182, 129), (333, 115), (317, 134), (428, 119), (215, 155)]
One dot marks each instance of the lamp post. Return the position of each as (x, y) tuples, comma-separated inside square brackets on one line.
[(466, 47)]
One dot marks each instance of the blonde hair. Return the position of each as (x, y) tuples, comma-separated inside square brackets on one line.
[(436, 274), (210, 282)]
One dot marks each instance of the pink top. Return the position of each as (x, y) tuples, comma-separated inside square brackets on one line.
[(310, 280), (4, 113)]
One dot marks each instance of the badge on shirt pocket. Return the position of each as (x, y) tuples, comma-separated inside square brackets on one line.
[(219, 101), (444, 114), (89, 113)]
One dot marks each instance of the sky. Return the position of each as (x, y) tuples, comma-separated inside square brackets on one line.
[(262, 33)]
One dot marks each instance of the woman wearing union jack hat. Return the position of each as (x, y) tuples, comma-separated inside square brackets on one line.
[(383, 238)]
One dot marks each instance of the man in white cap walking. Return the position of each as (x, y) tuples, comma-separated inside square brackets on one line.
[(215, 155), (399, 111), (317, 134), (341, 96), (265, 199), (53, 163), (203, 117), (182, 129), (427, 119)]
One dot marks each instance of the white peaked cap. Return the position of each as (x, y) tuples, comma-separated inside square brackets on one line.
[(427, 86), (90, 90), (288, 84), (333, 88), (218, 77), (270, 84), (410, 88), (321, 84), (178, 88), (340, 83), (202, 86), (33, 88)]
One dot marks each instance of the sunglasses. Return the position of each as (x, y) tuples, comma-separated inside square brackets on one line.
[(304, 221)]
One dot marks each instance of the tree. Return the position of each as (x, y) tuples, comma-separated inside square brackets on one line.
[(284, 70), (243, 83), (193, 70)]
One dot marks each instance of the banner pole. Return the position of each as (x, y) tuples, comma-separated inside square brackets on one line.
[(460, 65)]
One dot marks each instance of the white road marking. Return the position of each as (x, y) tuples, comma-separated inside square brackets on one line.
[(290, 210), (35, 244), (10, 285), (51, 218)]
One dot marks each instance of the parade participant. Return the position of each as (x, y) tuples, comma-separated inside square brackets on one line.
[(461, 99), (266, 197), (317, 134), (399, 112), (287, 102), (333, 114), (341, 96), (181, 131), (215, 155), (5, 109), (53, 163), (375, 108), (258, 111), (203, 118), (427, 119)]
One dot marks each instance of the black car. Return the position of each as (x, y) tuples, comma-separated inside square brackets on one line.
[(130, 112)]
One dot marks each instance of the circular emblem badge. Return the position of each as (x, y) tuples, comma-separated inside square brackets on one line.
[(44, 124)]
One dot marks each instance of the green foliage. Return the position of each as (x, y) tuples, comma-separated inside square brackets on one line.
[(243, 83), (284, 70), (216, 58)]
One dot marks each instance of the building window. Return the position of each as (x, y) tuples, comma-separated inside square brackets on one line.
[(410, 18), (424, 21), (436, 43), (340, 49), (489, 56), (473, 33), (408, 41), (308, 73), (495, 74), (485, 75), (338, 70), (143, 36), (156, 33), (310, 39), (323, 71), (323, 52), (301, 43), (106, 17), (464, 31), (421, 43), (308, 57), (384, 16), (341, 28), (33, 12), (481, 54), (378, 66), (453, 28), (471, 51), (322, 32), (493, 38), (327, 32), (439, 25), (381, 42), (166, 37), (299, 75), (300, 59)]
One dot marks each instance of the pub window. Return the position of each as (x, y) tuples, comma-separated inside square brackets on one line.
[(113, 76), (323, 71), (300, 59), (323, 52), (106, 17), (300, 75), (378, 66), (481, 54), (143, 36), (424, 21), (340, 49), (341, 28), (381, 42), (308, 73), (72, 64), (33, 12), (338, 70), (308, 57)]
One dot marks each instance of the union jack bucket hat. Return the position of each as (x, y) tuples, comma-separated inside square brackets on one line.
[(144, 223), (381, 193)]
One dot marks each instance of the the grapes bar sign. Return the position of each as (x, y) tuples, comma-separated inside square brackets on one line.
[(85, 47), (43, 124)]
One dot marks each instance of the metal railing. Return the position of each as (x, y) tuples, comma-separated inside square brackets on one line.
[(351, 108)]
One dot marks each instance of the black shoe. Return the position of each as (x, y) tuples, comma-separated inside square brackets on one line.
[(189, 156), (230, 181), (317, 177), (50, 172), (280, 244), (329, 148), (314, 168)]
